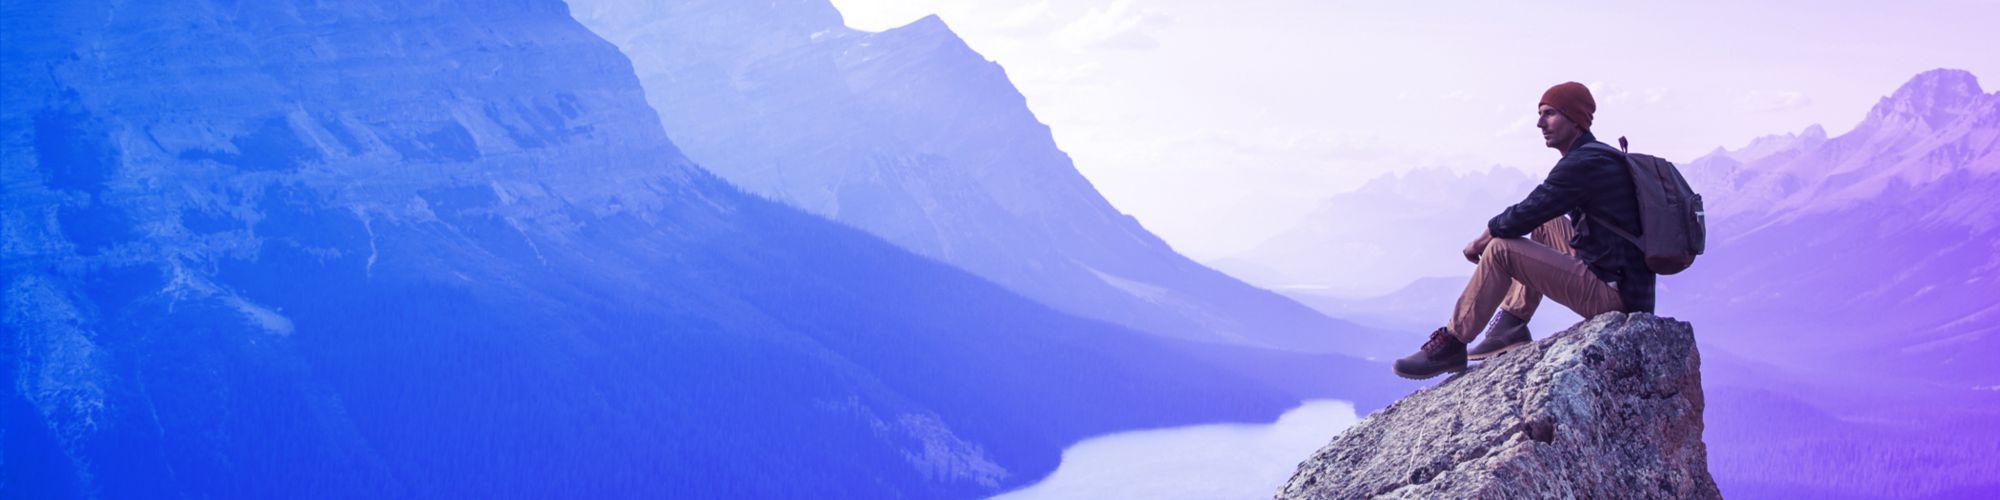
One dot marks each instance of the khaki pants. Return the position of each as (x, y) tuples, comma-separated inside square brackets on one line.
[(1515, 273)]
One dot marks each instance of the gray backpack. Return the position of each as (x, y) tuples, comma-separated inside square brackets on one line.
[(1670, 213)]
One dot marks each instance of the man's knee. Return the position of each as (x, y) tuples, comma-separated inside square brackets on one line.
[(1500, 250)]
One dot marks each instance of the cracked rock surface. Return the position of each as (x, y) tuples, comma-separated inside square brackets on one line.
[(1610, 408)]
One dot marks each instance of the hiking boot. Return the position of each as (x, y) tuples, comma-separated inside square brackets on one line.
[(1508, 333), (1443, 353)]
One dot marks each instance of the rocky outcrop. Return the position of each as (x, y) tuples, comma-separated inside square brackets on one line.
[(1610, 408)]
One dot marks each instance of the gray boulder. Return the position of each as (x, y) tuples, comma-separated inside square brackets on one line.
[(1610, 408)]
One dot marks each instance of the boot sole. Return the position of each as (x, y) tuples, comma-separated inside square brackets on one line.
[(1497, 352), (1401, 373)]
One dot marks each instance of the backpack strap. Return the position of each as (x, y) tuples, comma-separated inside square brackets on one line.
[(1614, 229), (1600, 219)]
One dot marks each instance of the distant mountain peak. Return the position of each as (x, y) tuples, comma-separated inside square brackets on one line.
[(1942, 80), (912, 135), (1814, 133), (929, 31), (929, 22), (1441, 182), (1762, 147), (1934, 97)]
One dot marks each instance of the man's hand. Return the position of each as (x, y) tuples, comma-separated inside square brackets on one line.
[(1478, 245)]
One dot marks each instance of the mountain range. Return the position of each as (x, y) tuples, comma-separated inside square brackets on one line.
[(413, 249), (1850, 282), (913, 136), (1381, 236), (735, 249), (1883, 237)]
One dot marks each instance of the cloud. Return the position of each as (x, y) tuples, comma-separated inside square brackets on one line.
[(878, 15), (1072, 74), (1024, 17), (1525, 122), (1772, 100), (1655, 95), (1277, 142), (1120, 25), (1618, 95)]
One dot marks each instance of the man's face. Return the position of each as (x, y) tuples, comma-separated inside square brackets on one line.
[(1557, 131)]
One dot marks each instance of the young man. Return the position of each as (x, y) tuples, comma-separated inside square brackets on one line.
[(1589, 269)]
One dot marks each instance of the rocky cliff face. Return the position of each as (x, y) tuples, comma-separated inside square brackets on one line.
[(911, 135), (1610, 408), (445, 250)]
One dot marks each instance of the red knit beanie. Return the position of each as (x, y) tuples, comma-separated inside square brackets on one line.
[(1573, 101)]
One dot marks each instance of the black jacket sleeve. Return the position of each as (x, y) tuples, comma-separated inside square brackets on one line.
[(1566, 188)]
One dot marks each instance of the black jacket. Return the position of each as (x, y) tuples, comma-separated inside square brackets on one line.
[(1585, 182)]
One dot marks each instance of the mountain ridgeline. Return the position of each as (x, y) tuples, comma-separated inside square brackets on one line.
[(439, 249), (1900, 207), (1333, 251), (1852, 279), (911, 135)]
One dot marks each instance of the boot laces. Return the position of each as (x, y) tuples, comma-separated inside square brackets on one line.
[(1437, 340)]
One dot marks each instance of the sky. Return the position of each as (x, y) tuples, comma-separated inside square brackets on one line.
[(1218, 124)]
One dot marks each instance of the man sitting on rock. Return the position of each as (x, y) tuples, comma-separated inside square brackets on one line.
[(1587, 269)]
